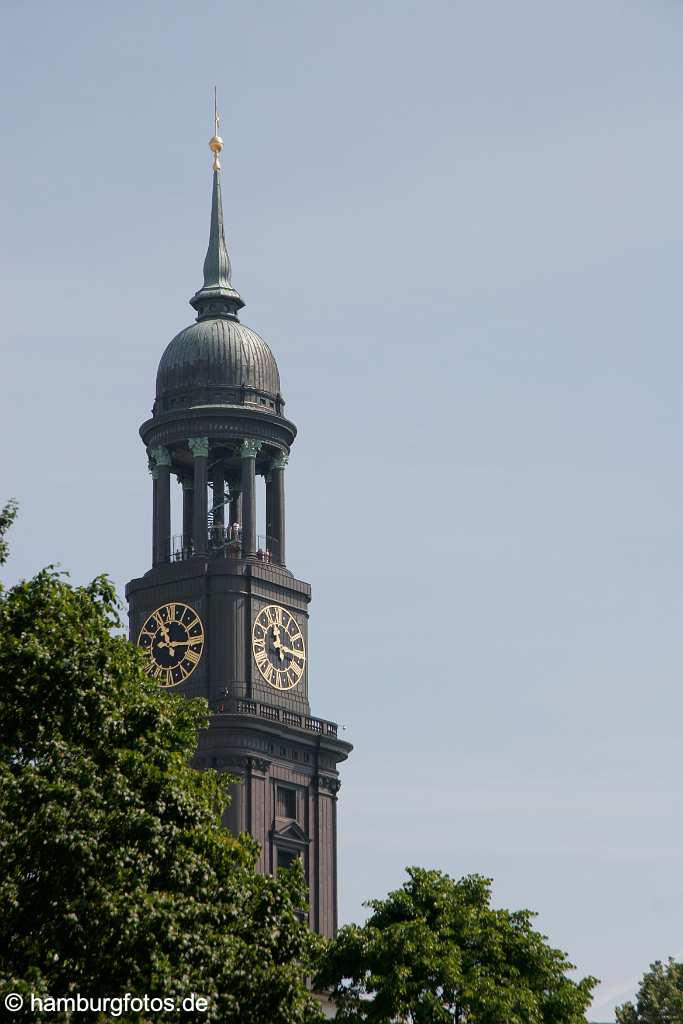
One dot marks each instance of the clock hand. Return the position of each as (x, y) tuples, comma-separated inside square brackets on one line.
[(293, 652), (278, 642), (164, 630)]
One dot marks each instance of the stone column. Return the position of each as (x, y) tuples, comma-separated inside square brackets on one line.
[(188, 492), (269, 514), (199, 446), (162, 461), (249, 449), (277, 474), (154, 472)]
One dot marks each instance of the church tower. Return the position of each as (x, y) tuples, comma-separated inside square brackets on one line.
[(219, 614)]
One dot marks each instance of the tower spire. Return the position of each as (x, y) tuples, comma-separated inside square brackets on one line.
[(217, 297)]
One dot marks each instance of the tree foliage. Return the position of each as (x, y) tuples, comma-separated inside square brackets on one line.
[(659, 999), (117, 875), (7, 516), (436, 951)]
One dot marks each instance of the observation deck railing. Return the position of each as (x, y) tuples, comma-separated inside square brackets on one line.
[(222, 542), (243, 706)]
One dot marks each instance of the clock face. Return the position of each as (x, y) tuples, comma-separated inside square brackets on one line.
[(173, 640), (279, 648)]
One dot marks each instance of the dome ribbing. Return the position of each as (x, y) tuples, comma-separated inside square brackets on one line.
[(215, 362)]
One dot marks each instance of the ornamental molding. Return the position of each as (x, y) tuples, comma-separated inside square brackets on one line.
[(250, 448), (199, 446), (247, 423), (230, 763), (328, 782), (293, 832)]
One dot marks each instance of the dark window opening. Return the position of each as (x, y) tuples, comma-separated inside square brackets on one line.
[(285, 858), (286, 802)]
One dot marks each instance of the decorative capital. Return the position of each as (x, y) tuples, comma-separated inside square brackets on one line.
[(160, 456), (250, 448), (258, 764), (186, 482), (234, 763), (280, 461), (199, 446), (328, 782)]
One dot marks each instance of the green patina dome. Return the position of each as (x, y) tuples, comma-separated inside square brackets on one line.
[(217, 361)]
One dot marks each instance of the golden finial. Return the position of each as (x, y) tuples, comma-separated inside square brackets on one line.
[(216, 142)]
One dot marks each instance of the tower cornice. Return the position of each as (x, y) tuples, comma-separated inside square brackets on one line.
[(220, 423)]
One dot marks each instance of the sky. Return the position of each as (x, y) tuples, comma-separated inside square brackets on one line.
[(459, 226)]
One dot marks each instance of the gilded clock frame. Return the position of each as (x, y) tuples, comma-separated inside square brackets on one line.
[(156, 671), (258, 648)]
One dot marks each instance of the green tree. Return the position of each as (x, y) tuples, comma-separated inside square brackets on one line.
[(659, 999), (116, 874), (436, 951), (7, 516)]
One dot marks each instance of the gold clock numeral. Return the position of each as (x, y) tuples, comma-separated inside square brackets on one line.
[(192, 656), (259, 645)]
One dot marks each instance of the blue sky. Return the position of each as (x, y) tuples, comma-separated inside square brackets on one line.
[(459, 227)]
